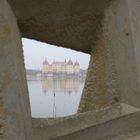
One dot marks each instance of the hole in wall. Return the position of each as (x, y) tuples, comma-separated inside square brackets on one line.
[(55, 78)]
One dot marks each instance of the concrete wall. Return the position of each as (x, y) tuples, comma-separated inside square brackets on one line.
[(44, 129), (134, 18), (15, 117), (113, 74), (101, 85), (100, 88), (106, 130), (114, 70), (68, 23), (119, 24)]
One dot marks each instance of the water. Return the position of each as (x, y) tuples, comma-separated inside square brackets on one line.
[(55, 98)]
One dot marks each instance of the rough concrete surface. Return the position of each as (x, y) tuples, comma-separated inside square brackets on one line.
[(68, 23), (129, 135), (15, 117), (51, 128), (114, 127), (109, 30)]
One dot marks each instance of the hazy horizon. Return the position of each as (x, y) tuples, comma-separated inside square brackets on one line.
[(35, 53)]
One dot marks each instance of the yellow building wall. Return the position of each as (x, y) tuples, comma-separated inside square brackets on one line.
[(69, 69), (76, 69)]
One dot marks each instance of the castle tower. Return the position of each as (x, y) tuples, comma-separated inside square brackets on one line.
[(45, 68), (69, 67), (76, 67)]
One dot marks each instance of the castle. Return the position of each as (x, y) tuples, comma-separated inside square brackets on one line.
[(61, 67)]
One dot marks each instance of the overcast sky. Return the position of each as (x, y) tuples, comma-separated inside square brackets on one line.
[(35, 52)]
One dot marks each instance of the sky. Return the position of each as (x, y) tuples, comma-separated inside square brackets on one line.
[(35, 53)]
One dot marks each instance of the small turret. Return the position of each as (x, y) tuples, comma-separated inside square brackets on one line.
[(76, 63), (45, 62), (70, 62)]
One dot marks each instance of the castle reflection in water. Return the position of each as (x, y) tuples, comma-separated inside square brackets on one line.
[(66, 86), (55, 97)]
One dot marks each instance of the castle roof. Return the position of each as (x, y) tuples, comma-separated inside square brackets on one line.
[(76, 63), (70, 62), (45, 62)]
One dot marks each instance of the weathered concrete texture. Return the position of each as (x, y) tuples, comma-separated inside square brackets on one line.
[(129, 135), (44, 129), (109, 32), (120, 30), (123, 124), (15, 117), (100, 89), (114, 69), (68, 23)]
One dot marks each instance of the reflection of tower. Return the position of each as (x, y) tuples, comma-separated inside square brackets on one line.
[(54, 107), (45, 91), (44, 87), (76, 85)]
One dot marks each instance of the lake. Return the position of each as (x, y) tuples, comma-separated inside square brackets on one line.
[(55, 97)]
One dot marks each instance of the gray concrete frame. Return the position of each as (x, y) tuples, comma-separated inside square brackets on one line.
[(110, 33)]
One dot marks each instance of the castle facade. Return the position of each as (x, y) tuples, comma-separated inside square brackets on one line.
[(61, 67)]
